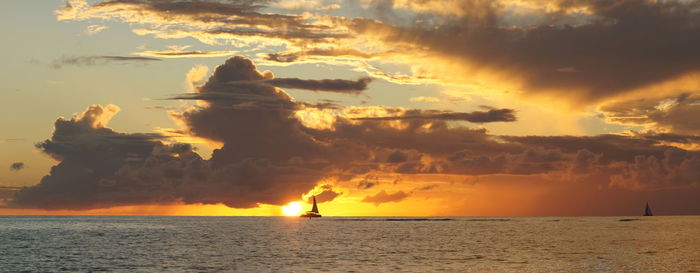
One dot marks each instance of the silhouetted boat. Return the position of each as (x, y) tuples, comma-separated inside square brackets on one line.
[(647, 211), (314, 210)]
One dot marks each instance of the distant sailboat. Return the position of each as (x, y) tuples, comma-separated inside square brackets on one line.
[(647, 211), (314, 210)]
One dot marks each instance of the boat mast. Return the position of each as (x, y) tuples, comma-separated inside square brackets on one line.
[(647, 211), (315, 207)]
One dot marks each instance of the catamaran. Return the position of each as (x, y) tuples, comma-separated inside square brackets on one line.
[(314, 210), (647, 211)]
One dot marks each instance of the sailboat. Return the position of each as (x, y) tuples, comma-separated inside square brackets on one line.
[(314, 210), (647, 211)]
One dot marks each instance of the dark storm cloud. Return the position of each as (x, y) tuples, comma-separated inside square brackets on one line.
[(326, 85), (327, 195), (397, 157), (631, 162), (622, 45), (533, 160), (248, 9), (271, 133), (672, 138), (92, 161), (266, 156), (647, 167), (99, 60), (250, 101), (676, 168), (16, 166), (613, 147), (285, 137), (264, 80), (241, 101), (432, 137), (384, 197), (613, 159), (236, 19), (102, 168), (677, 114), (308, 35), (244, 13), (289, 57), (588, 50), (520, 160), (492, 115), (584, 162), (269, 157)]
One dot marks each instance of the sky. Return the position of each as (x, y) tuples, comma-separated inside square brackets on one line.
[(376, 107)]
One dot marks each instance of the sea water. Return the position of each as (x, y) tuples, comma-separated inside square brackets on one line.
[(339, 244)]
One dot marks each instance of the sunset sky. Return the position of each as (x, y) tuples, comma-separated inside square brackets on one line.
[(378, 107)]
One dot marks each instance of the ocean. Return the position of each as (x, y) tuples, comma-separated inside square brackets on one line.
[(349, 244)]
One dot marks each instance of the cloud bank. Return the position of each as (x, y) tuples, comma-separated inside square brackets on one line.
[(269, 156), (492, 115), (327, 85), (584, 51)]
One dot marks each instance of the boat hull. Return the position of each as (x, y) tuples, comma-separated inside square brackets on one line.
[(310, 215)]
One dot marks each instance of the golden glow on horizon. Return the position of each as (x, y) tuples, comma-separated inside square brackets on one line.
[(292, 209), (490, 195)]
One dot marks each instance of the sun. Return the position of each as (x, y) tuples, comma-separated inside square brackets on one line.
[(292, 209)]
